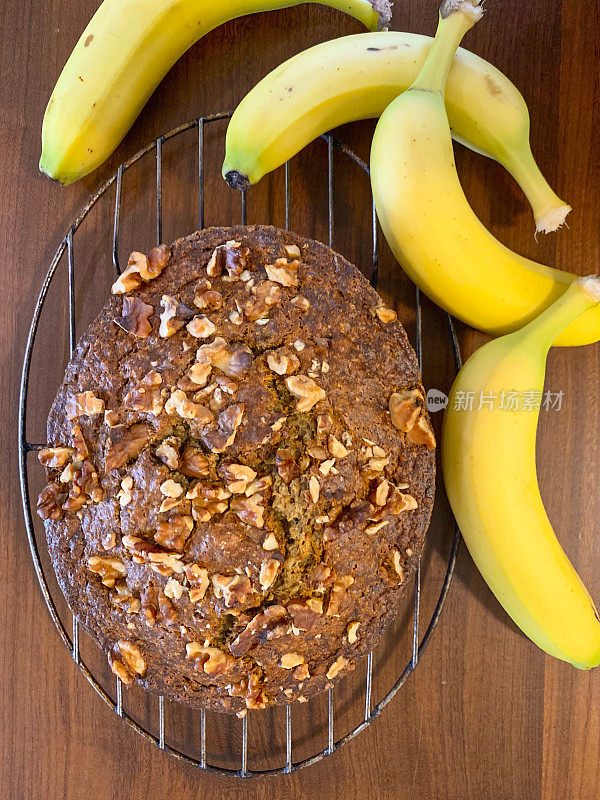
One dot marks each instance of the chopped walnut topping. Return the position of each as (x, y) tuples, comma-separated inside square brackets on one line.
[(207, 500), (338, 665), (314, 488), (198, 374), (259, 485), (385, 314), (146, 396), (405, 408), (149, 603), (233, 589), (85, 404), (337, 594), (237, 477), (203, 285), (166, 607), (157, 260), (173, 534), (49, 504), (287, 466), (173, 316), (236, 317), (128, 443), (130, 278), (397, 565), (283, 272), (422, 433), (194, 463), (306, 389), (398, 502), (132, 656), (327, 466), (53, 457), (268, 573), (109, 569), (141, 268), (315, 604), (198, 580), (229, 256), (111, 418), (173, 589), (305, 613), (322, 577), (373, 529), (209, 300), (283, 363), (79, 443), (380, 495), (212, 660), (109, 540), (135, 316), (336, 448), (201, 327), (119, 669), (301, 673), (270, 624), (168, 452), (291, 660), (300, 302), (266, 294), (228, 422), (179, 404), (292, 250), (233, 360), (124, 494), (353, 517), (171, 488), (249, 509), (351, 630), (168, 561), (169, 503), (270, 542), (255, 698)]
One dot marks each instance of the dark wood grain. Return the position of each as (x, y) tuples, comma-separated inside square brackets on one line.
[(486, 716)]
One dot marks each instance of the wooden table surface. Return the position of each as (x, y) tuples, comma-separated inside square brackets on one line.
[(486, 716)]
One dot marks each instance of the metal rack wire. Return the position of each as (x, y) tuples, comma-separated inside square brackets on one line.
[(71, 638)]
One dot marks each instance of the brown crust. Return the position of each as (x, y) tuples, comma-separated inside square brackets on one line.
[(358, 361)]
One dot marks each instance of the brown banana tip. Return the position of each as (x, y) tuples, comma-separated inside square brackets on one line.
[(236, 180)]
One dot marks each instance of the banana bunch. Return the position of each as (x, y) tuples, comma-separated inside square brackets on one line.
[(429, 223), (357, 77), (488, 461), (121, 57)]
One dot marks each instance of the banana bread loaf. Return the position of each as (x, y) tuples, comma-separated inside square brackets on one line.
[(240, 470)]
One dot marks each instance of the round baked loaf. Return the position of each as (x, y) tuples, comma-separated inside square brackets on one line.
[(240, 470)]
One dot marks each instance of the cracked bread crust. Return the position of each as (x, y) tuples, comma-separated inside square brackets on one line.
[(231, 511)]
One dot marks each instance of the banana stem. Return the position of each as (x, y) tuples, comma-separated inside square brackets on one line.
[(582, 294), (456, 18), (549, 210)]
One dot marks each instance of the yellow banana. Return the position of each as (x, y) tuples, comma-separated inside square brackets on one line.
[(488, 461), (357, 77), (122, 55), (430, 226)]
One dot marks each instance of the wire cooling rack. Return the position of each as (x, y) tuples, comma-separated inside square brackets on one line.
[(154, 730)]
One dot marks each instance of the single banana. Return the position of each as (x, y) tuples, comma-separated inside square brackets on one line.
[(431, 227), (357, 77), (121, 57), (488, 461)]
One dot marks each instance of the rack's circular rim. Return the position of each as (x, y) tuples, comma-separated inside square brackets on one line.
[(25, 448)]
